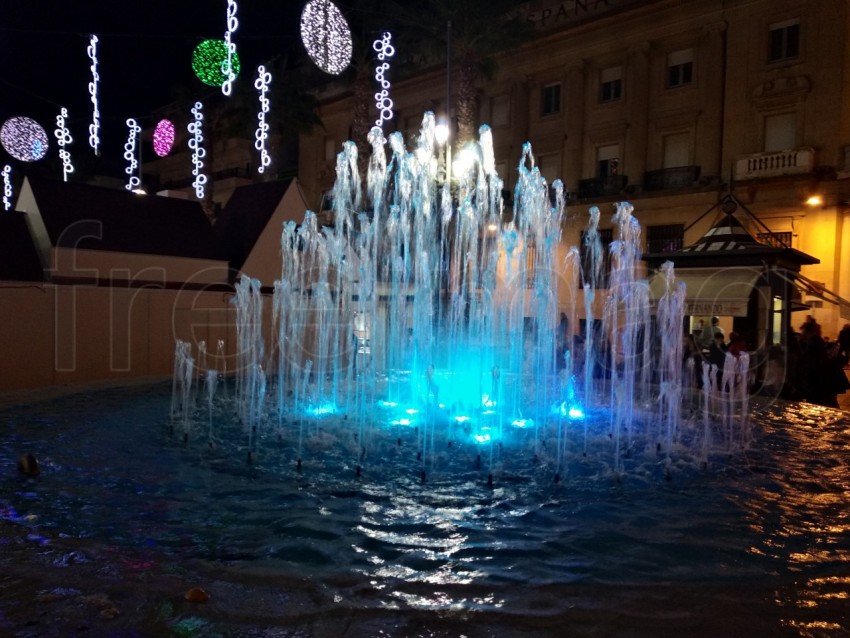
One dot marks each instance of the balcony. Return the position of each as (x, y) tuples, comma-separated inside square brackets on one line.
[(797, 161), (671, 178), (602, 186)]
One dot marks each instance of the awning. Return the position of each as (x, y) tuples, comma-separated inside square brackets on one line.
[(816, 289), (711, 291)]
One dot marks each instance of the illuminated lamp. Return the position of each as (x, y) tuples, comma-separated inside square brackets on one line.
[(326, 36), (210, 62), (163, 137), (24, 139)]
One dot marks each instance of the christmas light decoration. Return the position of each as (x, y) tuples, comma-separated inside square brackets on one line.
[(94, 127), (198, 152), (63, 139), (163, 137), (24, 139), (385, 50), (227, 67), (261, 136), (326, 36), (7, 187), (209, 60), (134, 180)]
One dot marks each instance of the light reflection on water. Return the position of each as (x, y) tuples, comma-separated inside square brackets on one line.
[(757, 542)]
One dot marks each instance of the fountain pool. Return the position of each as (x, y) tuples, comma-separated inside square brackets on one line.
[(125, 518)]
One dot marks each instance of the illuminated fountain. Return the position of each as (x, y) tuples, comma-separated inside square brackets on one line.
[(440, 318)]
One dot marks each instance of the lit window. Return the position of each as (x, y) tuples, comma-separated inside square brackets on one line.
[(680, 68), (550, 101), (611, 84), (666, 238), (608, 160), (784, 41), (606, 236)]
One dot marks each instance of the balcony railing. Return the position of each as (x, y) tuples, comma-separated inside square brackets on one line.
[(795, 161), (671, 178), (602, 186)]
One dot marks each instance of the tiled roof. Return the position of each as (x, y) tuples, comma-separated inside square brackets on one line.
[(18, 255), (727, 234), (96, 218), (245, 216)]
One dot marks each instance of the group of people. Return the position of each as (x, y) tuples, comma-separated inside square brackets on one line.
[(810, 369), (818, 364), (709, 346)]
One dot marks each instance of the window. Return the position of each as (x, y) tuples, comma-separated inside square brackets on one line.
[(608, 160), (784, 41), (606, 236), (680, 68), (549, 167), (666, 238), (530, 264), (780, 132), (677, 150), (777, 240), (550, 99), (611, 84)]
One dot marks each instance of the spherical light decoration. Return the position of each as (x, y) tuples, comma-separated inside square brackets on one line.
[(210, 61), (326, 36), (24, 139), (163, 137)]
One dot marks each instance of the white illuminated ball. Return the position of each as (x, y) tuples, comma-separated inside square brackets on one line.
[(326, 36), (24, 139)]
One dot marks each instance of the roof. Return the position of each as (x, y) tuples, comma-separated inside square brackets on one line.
[(19, 259), (727, 243), (245, 216), (96, 218)]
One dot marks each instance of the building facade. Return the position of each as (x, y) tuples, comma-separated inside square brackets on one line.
[(671, 106)]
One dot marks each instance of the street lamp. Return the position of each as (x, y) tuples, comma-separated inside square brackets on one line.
[(441, 135)]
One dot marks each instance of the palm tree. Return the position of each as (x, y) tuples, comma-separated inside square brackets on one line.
[(474, 31)]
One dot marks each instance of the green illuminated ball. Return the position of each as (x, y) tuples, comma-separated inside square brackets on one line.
[(209, 62)]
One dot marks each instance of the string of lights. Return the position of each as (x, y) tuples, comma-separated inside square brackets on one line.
[(196, 143), (261, 135), (134, 130), (94, 127), (7, 187), (227, 67), (63, 139), (384, 104)]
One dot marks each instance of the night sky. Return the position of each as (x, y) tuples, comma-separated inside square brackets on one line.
[(145, 50)]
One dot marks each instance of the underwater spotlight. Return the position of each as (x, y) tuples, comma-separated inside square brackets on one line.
[(522, 423)]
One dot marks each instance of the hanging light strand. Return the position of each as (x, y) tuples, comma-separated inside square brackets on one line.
[(7, 187), (385, 50), (196, 143), (261, 136), (94, 127), (63, 139), (134, 181), (227, 66)]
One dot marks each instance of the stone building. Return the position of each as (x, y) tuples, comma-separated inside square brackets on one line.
[(672, 106)]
